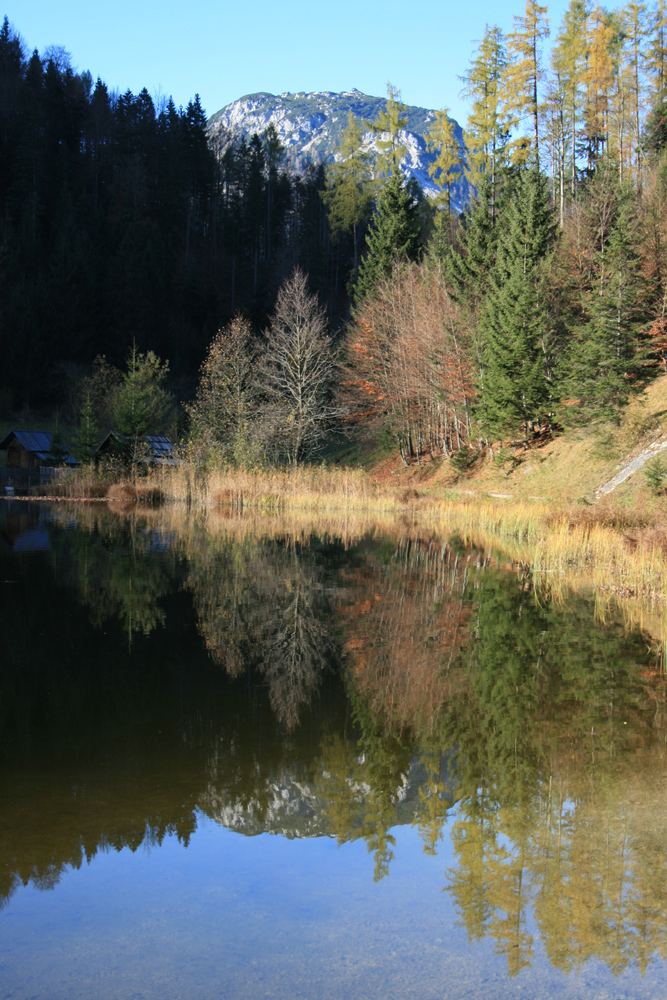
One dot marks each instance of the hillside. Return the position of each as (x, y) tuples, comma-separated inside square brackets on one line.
[(310, 127), (574, 467)]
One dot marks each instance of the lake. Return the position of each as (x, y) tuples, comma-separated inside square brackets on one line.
[(246, 758)]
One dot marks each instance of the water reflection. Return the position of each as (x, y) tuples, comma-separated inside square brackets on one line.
[(313, 685)]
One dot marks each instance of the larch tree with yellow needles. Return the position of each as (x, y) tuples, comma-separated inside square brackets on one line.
[(521, 80)]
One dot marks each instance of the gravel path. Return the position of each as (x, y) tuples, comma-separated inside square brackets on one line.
[(632, 467)]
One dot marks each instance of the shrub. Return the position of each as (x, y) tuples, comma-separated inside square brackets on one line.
[(655, 472)]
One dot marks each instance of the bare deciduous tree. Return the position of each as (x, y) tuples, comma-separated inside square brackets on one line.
[(299, 371)]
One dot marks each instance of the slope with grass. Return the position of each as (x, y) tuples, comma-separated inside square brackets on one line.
[(573, 468)]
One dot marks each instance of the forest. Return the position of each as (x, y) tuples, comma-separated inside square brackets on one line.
[(285, 310)]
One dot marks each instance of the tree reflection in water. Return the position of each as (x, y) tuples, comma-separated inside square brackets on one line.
[(340, 690)]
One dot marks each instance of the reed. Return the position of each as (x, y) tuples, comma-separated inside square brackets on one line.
[(610, 559), (314, 488)]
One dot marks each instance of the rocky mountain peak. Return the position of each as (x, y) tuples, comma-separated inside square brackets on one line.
[(310, 127)]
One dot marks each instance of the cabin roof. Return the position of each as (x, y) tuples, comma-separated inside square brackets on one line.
[(160, 447), (38, 443)]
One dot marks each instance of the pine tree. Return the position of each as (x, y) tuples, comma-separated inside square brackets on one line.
[(514, 389), (12, 69), (446, 167), (273, 153), (655, 131), (606, 353), (86, 437), (142, 403), (468, 263), (394, 234)]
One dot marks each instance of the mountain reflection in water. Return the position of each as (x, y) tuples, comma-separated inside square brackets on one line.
[(334, 684)]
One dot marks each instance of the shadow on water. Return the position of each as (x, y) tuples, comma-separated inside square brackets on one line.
[(331, 681)]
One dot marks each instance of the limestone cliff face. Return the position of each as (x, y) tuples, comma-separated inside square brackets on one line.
[(310, 127)]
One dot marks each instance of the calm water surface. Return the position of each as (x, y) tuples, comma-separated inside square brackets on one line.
[(242, 761)]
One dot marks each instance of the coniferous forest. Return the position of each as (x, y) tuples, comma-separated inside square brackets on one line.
[(125, 234)]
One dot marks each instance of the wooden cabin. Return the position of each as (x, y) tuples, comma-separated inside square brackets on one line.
[(29, 449), (157, 448)]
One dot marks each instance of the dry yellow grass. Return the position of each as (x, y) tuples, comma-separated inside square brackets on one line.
[(314, 488), (568, 469)]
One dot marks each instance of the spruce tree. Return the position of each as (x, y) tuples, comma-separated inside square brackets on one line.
[(655, 132), (394, 234), (514, 387), (606, 353), (142, 403), (86, 436), (468, 263)]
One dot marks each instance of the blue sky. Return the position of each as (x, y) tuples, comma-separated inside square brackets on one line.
[(224, 50)]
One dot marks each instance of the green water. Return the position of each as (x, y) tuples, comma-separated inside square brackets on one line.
[(265, 761)]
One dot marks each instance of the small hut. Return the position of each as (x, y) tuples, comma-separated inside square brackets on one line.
[(157, 449), (27, 449), (29, 455)]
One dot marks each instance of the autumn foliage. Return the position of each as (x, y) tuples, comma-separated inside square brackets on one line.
[(409, 360)]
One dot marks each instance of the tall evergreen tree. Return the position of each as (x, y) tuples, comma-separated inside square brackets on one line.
[(514, 389), (142, 403), (86, 436), (469, 261), (349, 186), (655, 132), (394, 234), (605, 357)]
